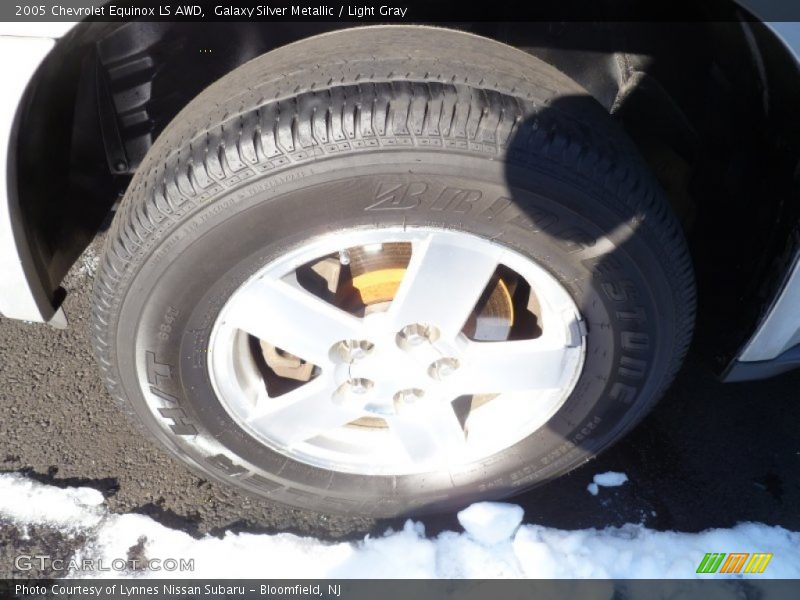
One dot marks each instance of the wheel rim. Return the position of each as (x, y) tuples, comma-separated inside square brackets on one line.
[(403, 384)]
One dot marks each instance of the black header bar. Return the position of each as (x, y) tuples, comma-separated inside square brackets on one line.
[(399, 11)]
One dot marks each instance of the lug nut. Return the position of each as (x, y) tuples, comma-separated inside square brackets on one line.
[(348, 351), (353, 390), (442, 368), (360, 385), (409, 396), (406, 398), (416, 334)]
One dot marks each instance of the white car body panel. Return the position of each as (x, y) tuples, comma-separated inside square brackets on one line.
[(21, 293)]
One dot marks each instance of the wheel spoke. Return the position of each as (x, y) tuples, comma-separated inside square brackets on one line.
[(429, 433), (516, 366), (290, 318), (302, 414), (442, 284)]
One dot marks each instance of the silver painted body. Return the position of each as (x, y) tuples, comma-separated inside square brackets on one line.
[(779, 330), (23, 46)]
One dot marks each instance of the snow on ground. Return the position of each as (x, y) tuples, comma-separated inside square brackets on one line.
[(484, 523), (494, 544), (609, 479), (26, 501)]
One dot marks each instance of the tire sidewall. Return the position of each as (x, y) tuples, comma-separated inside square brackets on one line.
[(613, 272)]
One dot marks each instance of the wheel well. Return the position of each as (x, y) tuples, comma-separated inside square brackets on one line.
[(710, 106)]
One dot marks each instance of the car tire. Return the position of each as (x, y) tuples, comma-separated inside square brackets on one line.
[(397, 129)]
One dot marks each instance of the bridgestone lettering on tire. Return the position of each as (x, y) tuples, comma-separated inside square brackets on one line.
[(393, 131)]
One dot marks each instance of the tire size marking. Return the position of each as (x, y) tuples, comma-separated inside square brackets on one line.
[(530, 473), (165, 327), (157, 375)]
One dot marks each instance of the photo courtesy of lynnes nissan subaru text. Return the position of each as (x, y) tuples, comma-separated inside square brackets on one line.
[(392, 269)]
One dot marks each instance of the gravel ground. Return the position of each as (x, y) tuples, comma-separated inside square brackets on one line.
[(710, 455)]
